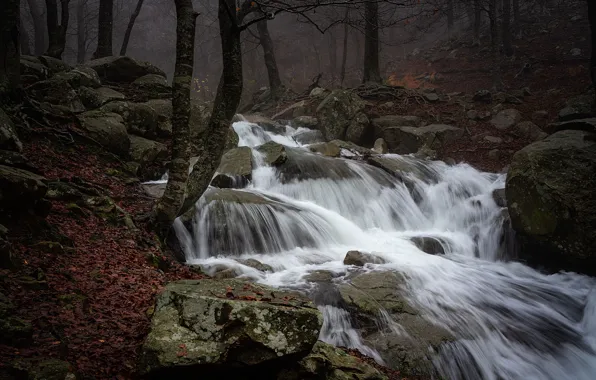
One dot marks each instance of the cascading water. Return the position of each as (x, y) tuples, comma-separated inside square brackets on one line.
[(510, 321)]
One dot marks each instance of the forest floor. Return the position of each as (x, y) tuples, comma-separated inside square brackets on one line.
[(87, 283)]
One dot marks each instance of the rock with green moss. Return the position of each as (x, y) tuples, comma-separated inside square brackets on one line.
[(235, 169), (326, 362), (274, 154), (341, 117), (44, 369), (93, 98), (81, 76), (153, 86), (552, 203), (147, 152), (217, 324), (369, 295), (122, 69), (107, 129), (20, 188), (56, 91), (139, 118)]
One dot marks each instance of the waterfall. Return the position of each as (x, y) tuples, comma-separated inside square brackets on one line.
[(510, 321)]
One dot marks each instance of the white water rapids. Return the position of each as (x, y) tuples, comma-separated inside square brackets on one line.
[(511, 322)]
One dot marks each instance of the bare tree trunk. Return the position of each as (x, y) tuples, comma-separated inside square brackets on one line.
[(226, 102), (372, 72), (57, 31), (494, 36), (592, 19), (344, 58), (131, 23), (104, 29), (450, 16), (166, 209), (477, 22), (269, 56), (81, 33), (516, 20), (332, 48), (25, 46), (39, 25), (10, 56), (507, 46)]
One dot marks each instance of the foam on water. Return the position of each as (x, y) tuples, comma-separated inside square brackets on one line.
[(511, 321)]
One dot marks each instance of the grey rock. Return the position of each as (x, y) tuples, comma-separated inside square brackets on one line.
[(122, 69), (506, 119), (107, 129), (94, 98), (358, 258), (235, 169), (8, 135)]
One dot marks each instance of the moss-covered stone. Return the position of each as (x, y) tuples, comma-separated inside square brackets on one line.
[(107, 129), (235, 169), (548, 208), (227, 322)]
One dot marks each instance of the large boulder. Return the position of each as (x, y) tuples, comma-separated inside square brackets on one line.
[(405, 140), (528, 130), (139, 118), (552, 202), (122, 69), (305, 122), (266, 123), (81, 76), (32, 70), (295, 110), (330, 363), (227, 326), (56, 91), (579, 107), (20, 188), (93, 98), (366, 296), (164, 111), (274, 154), (506, 119), (55, 65), (107, 129), (147, 152), (235, 169), (308, 137), (8, 136), (341, 117), (153, 86)]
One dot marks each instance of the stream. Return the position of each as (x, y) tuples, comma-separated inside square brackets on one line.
[(510, 321)]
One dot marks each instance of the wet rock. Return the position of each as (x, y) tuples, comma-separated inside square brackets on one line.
[(326, 149), (367, 296), (349, 149), (122, 69), (426, 153), (235, 169), (232, 141), (319, 276), (256, 264), (328, 362), (528, 130), (56, 91), (305, 122), (402, 167), (546, 205), (380, 146), (147, 152), (107, 129), (266, 123), (93, 98), (405, 140), (506, 119), (493, 139), (81, 76), (214, 325), (8, 135), (341, 117), (139, 118), (358, 258), (429, 244), (293, 111), (499, 197), (308, 137), (274, 153)]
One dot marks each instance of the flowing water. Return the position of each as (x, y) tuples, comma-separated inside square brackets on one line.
[(511, 322)]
